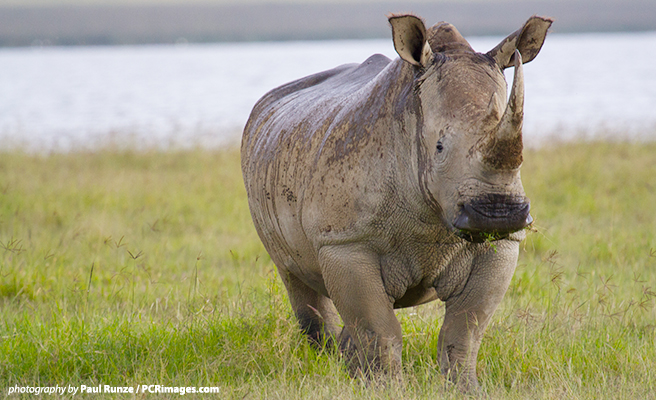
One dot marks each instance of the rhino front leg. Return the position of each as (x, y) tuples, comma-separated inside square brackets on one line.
[(315, 313), (469, 312), (371, 339)]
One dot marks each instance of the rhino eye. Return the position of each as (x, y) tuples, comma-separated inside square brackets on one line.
[(440, 147)]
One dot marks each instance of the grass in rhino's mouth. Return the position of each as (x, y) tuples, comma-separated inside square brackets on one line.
[(481, 237)]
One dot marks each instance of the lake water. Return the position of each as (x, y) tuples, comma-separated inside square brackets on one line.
[(80, 97)]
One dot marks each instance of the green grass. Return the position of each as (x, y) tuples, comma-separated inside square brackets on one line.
[(125, 268)]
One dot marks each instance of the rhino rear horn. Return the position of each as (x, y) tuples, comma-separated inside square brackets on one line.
[(528, 40)]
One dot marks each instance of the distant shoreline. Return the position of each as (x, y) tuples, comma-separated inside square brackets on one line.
[(199, 23)]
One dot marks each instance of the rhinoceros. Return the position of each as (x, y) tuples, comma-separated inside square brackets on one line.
[(392, 183)]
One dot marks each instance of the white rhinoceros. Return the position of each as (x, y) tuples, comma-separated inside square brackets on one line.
[(380, 185)]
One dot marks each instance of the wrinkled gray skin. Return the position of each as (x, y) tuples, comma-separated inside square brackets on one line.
[(380, 185)]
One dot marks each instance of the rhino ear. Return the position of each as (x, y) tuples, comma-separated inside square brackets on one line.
[(528, 40), (409, 35)]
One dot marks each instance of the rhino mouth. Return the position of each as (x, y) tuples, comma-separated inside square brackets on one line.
[(492, 217)]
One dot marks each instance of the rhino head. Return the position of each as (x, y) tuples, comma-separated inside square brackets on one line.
[(469, 136)]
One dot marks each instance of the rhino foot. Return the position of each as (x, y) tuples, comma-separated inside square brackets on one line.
[(368, 359)]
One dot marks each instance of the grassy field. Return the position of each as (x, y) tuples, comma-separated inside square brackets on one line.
[(122, 268)]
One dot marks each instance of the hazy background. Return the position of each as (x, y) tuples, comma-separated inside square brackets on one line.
[(102, 22)]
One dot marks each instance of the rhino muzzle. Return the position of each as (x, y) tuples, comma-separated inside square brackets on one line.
[(492, 217)]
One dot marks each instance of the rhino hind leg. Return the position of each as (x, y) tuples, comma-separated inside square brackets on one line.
[(315, 313), (371, 340)]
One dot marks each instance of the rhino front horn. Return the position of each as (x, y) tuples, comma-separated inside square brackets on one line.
[(504, 149)]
